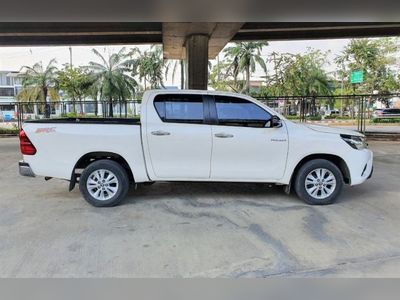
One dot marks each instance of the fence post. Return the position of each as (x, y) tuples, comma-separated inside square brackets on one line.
[(18, 116), (362, 115), (302, 109)]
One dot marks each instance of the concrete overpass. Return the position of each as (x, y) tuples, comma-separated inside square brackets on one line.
[(196, 42)]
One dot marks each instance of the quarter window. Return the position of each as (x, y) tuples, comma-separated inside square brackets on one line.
[(233, 111), (180, 108)]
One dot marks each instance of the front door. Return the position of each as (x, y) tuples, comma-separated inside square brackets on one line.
[(245, 147)]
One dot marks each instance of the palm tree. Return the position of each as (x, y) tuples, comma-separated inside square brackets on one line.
[(149, 66), (39, 83), (244, 57), (112, 78), (174, 64)]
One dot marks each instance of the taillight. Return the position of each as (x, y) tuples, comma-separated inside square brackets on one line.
[(25, 144)]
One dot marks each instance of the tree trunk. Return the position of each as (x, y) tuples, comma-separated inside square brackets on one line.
[(111, 112), (248, 79), (81, 105), (182, 75), (47, 107), (35, 110), (73, 105), (96, 109)]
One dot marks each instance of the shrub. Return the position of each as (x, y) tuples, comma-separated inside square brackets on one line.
[(9, 130), (292, 117), (314, 118), (338, 117), (385, 120)]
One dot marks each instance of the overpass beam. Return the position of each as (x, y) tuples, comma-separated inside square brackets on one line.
[(197, 61)]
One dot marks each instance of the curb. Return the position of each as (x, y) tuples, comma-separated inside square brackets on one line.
[(381, 136), (8, 135)]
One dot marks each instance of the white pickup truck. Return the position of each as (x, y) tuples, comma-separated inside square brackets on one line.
[(195, 136)]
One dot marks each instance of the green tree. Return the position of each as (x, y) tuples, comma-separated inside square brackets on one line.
[(376, 58), (149, 66), (173, 65), (76, 83), (244, 56), (39, 84), (222, 78), (299, 74), (112, 78)]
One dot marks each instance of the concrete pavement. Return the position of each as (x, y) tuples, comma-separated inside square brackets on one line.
[(199, 229)]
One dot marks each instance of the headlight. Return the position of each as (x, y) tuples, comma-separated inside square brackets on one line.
[(356, 142)]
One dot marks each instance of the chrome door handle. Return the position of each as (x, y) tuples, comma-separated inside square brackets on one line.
[(160, 132), (223, 135)]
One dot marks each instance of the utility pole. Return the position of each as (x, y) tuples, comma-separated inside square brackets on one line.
[(70, 57)]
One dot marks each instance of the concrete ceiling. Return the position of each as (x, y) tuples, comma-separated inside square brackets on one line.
[(175, 34)]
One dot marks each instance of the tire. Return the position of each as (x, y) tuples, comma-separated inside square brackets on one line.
[(319, 191), (104, 183)]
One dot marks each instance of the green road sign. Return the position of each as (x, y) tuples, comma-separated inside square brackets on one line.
[(357, 76)]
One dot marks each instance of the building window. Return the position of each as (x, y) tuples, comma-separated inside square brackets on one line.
[(6, 92)]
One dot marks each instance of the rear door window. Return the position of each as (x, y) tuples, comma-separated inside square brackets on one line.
[(180, 108)]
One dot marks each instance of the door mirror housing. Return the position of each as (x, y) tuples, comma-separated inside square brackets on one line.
[(276, 122)]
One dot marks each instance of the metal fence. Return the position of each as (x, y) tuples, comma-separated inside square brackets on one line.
[(358, 108), (64, 109)]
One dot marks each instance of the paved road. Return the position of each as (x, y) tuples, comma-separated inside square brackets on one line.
[(199, 230)]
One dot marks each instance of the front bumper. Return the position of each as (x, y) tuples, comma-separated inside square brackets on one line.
[(25, 169), (361, 166)]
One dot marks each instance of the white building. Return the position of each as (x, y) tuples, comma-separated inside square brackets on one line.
[(10, 85)]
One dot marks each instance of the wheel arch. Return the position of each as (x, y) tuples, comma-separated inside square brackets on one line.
[(336, 160), (90, 157)]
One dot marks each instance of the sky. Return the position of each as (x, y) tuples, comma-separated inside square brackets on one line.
[(13, 58)]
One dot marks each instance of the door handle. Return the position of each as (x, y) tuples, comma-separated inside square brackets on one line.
[(160, 132), (223, 135)]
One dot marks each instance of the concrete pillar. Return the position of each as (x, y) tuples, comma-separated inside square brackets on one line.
[(197, 61)]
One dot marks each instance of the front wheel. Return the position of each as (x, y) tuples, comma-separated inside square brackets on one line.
[(319, 182), (104, 183)]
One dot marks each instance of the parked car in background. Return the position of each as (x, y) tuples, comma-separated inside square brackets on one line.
[(332, 112), (386, 113), (195, 136)]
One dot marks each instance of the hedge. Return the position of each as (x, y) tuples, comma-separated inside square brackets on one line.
[(9, 130), (387, 120)]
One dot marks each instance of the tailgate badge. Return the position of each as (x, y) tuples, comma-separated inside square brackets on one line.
[(45, 130)]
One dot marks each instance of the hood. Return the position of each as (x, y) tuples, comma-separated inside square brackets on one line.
[(334, 130)]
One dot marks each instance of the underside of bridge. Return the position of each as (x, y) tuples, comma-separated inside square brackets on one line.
[(195, 42)]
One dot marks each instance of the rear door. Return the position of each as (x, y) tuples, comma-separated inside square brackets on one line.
[(245, 147), (178, 136)]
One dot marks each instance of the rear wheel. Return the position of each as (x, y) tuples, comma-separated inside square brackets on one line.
[(319, 182), (104, 183)]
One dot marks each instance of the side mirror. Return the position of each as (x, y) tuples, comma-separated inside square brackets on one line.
[(276, 122)]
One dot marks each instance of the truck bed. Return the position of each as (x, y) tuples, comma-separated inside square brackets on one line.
[(62, 142), (117, 121)]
